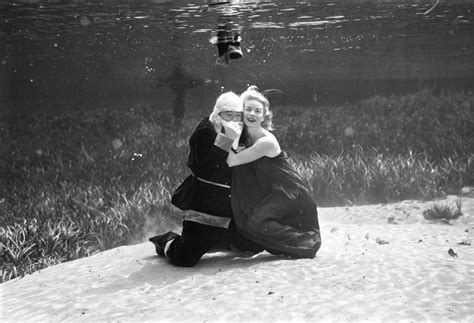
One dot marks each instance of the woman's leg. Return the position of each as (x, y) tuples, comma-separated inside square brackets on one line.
[(286, 226)]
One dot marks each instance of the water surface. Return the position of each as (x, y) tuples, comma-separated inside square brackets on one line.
[(94, 54)]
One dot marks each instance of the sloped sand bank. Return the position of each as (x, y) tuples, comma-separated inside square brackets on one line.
[(377, 263)]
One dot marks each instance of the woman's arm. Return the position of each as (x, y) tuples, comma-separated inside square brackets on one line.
[(266, 146)]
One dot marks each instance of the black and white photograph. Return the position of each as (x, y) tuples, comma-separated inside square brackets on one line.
[(236, 161)]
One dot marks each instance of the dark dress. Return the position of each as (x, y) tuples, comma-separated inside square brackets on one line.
[(273, 207)]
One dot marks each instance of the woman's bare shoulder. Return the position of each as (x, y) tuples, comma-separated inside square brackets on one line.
[(271, 144)]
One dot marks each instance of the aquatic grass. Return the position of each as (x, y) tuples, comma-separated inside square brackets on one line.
[(372, 177), (34, 244), (83, 182), (443, 213), (441, 126), (74, 184), (84, 229)]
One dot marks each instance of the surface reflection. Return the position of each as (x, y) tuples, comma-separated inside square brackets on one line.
[(61, 54)]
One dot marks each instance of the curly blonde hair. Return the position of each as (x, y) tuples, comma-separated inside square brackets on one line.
[(252, 93)]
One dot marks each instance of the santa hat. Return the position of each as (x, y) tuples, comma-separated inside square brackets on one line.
[(228, 101)]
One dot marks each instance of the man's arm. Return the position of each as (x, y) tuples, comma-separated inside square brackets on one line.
[(207, 152)]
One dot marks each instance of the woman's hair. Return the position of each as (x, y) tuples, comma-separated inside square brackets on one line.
[(228, 101), (252, 93)]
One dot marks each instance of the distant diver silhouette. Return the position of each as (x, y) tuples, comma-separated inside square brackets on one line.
[(179, 82)]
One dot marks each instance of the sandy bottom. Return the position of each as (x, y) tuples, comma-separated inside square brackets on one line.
[(356, 276)]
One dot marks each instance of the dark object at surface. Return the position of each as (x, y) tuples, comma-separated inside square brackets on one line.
[(235, 52)]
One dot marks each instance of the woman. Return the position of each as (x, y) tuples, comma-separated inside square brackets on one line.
[(271, 204)]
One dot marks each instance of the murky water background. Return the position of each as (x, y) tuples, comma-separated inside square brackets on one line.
[(60, 55)]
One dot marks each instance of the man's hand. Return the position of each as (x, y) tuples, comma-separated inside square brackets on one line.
[(232, 129)]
